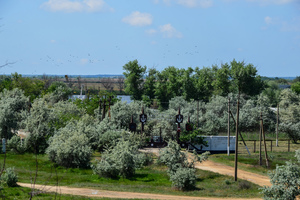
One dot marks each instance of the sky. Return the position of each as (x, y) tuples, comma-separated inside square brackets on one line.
[(89, 37)]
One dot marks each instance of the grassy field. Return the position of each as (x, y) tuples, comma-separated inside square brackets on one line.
[(278, 156), (151, 179)]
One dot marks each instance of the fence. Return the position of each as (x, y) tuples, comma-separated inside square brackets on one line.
[(283, 146)]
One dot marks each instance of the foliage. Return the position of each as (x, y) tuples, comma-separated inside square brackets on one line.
[(121, 113), (69, 147), (11, 104), (149, 86), (290, 114), (58, 91), (134, 79), (9, 178), (15, 145), (180, 170), (285, 182), (292, 130), (62, 112), (121, 160), (295, 87), (36, 123), (245, 78), (193, 137), (92, 103), (33, 88), (168, 85), (184, 178)]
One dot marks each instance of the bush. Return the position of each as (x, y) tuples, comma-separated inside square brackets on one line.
[(121, 160), (285, 183), (69, 148), (14, 144), (244, 185), (181, 171), (10, 178), (184, 178)]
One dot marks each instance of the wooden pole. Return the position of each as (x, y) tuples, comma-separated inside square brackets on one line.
[(277, 125), (289, 145), (271, 145), (198, 114), (228, 129), (254, 148), (264, 138), (240, 135), (236, 138), (260, 160)]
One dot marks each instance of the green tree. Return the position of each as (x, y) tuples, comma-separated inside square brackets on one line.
[(188, 85), (204, 79), (168, 85), (134, 74), (32, 88), (296, 87), (245, 78), (221, 83), (149, 86)]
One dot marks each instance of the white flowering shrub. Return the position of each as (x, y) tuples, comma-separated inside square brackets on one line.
[(14, 144), (121, 160), (180, 170), (285, 181), (36, 123), (69, 147), (9, 177), (184, 178), (12, 103)]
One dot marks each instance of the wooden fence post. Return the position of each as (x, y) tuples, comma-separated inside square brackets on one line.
[(254, 149), (289, 146)]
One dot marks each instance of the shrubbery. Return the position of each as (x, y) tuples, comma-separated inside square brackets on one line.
[(285, 181), (180, 170), (9, 177), (121, 160), (69, 147)]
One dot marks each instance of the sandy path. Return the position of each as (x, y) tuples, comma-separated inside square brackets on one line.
[(227, 170), (114, 194)]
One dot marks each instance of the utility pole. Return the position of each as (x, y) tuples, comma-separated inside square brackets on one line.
[(260, 133), (228, 131), (237, 138), (277, 125)]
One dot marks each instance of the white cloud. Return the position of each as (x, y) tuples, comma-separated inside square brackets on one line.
[(169, 31), (268, 20), (151, 31), (270, 2), (53, 41), (196, 3), (76, 6), (188, 3), (138, 19)]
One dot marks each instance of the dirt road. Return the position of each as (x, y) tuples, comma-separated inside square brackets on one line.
[(227, 170), (114, 194)]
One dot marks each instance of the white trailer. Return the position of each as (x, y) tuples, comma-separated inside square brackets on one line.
[(216, 144)]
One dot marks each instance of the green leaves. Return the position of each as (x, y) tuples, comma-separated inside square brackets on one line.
[(134, 74)]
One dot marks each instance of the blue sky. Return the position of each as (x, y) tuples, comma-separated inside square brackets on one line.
[(90, 37)]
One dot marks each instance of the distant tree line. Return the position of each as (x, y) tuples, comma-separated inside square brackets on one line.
[(191, 83)]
